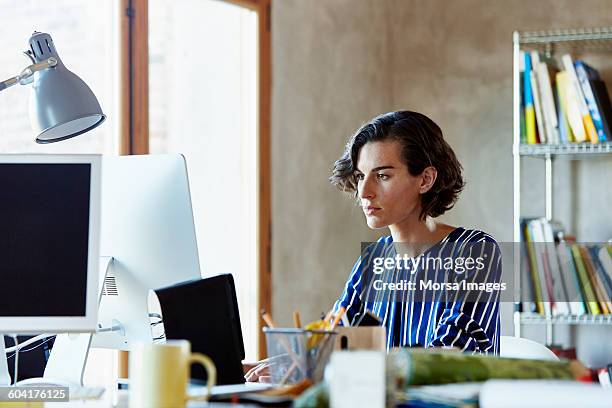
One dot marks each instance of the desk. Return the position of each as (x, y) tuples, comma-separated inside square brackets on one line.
[(120, 399)]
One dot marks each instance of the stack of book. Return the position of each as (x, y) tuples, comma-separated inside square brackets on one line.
[(562, 277), (562, 101)]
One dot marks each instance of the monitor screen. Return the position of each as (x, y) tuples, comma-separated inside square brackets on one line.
[(49, 247), (44, 238)]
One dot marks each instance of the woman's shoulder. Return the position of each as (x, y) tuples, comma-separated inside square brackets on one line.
[(472, 235), (385, 239), (458, 234), (381, 246), (476, 240)]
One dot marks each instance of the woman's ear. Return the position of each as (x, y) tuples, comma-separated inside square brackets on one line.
[(428, 178)]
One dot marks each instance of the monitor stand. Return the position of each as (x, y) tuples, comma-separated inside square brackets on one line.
[(68, 358), (66, 361), (70, 350), (5, 377)]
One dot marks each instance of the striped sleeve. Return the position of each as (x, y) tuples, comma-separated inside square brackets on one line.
[(351, 296), (471, 320)]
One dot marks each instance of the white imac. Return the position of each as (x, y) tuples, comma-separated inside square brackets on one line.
[(49, 242), (148, 230)]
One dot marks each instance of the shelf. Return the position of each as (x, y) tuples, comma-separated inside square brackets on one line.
[(572, 150), (579, 42), (598, 320), (582, 35)]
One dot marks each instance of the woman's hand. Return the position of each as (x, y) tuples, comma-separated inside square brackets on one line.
[(260, 370), (257, 372)]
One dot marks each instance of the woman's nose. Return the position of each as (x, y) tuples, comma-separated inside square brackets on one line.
[(365, 189)]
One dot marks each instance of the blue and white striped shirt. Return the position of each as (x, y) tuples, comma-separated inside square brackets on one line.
[(466, 319)]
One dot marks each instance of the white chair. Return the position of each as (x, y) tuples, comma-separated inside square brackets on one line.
[(518, 347)]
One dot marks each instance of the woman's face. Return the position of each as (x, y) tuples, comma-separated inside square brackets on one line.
[(388, 193)]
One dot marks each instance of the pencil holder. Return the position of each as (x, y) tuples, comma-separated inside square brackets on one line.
[(296, 354)]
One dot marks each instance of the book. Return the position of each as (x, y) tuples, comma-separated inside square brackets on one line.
[(566, 263), (589, 96), (602, 99), (585, 283), (574, 116), (523, 128), (598, 287), (545, 280), (565, 135), (528, 296), (571, 113), (574, 86), (529, 108), (561, 306), (593, 75), (547, 100), (535, 277), (603, 276), (554, 311), (605, 259), (542, 138), (537, 98)]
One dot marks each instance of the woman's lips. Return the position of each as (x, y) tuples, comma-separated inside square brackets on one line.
[(370, 210)]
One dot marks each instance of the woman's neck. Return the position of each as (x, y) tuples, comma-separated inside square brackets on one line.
[(417, 231), (413, 230), (415, 235)]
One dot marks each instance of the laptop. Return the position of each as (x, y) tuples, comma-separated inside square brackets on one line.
[(205, 312)]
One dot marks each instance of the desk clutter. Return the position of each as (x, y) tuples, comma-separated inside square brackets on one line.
[(323, 364), (299, 354), (359, 372), (448, 378)]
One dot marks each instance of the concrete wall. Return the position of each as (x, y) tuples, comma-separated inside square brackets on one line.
[(330, 73), (337, 63)]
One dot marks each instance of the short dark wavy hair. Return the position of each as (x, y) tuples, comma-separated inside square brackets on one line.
[(422, 146)]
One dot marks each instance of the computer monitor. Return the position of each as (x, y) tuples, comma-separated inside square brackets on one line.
[(49, 241), (148, 229)]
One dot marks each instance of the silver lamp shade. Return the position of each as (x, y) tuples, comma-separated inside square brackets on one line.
[(61, 104)]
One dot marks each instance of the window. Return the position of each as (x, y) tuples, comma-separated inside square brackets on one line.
[(86, 37), (203, 103), (205, 71), (84, 33)]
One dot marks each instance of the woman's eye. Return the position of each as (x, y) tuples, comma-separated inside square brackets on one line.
[(359, 176), (382, 176)]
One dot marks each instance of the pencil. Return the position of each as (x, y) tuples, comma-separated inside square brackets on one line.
[(328, 316), (268, 319), (296, 320), (339, 315)]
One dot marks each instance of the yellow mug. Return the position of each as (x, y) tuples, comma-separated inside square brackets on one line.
[(159, 374)]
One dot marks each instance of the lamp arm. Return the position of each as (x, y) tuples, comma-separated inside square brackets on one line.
[(27, 73)]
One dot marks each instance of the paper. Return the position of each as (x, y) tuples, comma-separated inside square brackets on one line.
[(543, 394), (355, 377)]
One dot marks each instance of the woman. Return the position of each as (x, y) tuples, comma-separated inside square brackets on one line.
[(404, 175)]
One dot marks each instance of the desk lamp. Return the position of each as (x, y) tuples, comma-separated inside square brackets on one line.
[(61, 104)]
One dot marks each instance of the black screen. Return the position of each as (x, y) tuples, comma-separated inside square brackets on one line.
[(205, 312), (44, 231)]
